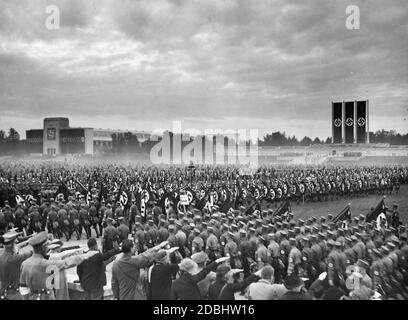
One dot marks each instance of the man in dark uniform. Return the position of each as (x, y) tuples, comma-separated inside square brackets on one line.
[(85, 221), (109, 236), (122, 230), (10, 263), (94, 218)]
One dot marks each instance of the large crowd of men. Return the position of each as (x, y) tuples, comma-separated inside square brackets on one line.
[(215, 233)]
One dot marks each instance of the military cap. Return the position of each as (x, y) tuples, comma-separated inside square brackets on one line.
[(225, 226), (196, 230), (251, 229), (284, 233), (242, 231), (243, 223), (330, 233), (10, 236), (262, 238), (305, 239), (290, 214), (292, 240), (361, 217), (292, 222), (329, 216), (340, 230), (297, 229), (395, 205), (137, 223), (392, 229), (291, 232), (230, 234), (391, 245), (210, 229), (204, 224), (330, 242), (215, 215), (313, 237), (348, 239), (324, 226), (356, 219), (197, 217), (363, 264), (385, 250), (38, 239), (110, 219), (337, 244), (259, 220), (192, 225), (242, 208), (301, 221), (322, 218), (404, 236), (353, 237), (314, 219), (396, 242), (279, 224), (234, 226), (321, 234), (376, 252), (315, 228), (309, 228), (171, 227)]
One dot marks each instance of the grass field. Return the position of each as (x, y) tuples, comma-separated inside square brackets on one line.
[(358, 205)]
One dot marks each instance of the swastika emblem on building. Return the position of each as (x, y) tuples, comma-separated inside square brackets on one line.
[(361, 121), (349, 122), (337, 122)]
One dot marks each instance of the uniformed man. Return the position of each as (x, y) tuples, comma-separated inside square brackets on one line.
[(122, 230), (110, 235), (211, 245), (294, 259), (262, 254), (10, 263), (38, 275)]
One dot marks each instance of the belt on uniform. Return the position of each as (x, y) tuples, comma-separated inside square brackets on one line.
[(42, 291)]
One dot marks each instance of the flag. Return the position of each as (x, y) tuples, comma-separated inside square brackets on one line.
[(380, 208), (344, 214), (62, 192), (283, 209), (85, 192)]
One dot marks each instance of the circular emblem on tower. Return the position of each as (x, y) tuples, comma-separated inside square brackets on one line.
[(349, 122), (361, 121), (337, 122)]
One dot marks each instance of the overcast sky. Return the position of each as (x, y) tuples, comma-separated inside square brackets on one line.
[(267, 64)]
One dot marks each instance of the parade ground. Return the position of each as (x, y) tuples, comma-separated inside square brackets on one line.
[(361, 205)]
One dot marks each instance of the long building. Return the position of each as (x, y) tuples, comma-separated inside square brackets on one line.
[(57, 138)]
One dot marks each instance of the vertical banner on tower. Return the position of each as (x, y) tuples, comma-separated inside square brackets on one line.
[(337, 122), (349, 122), (361, 121)]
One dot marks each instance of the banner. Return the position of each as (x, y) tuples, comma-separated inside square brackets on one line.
[(337, 122), (349, 122)]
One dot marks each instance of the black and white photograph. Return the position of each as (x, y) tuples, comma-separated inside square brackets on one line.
[(219, 151)]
